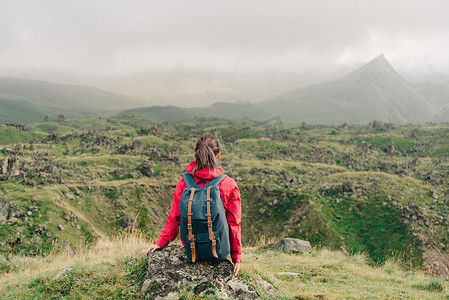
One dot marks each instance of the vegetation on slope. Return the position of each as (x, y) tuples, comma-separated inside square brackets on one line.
[(377, 189)]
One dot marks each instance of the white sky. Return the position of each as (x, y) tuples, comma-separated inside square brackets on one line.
[(104, 37)]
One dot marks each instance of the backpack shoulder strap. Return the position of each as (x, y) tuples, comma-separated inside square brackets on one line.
[(189, 181), (217, 180)]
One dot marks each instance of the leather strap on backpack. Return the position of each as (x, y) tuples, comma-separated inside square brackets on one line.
[(209, 225), (189, 226)]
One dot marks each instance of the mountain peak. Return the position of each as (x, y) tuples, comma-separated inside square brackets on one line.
[(379, 66), (379, 61)]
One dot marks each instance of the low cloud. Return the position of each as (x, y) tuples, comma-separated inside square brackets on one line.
[(96, 38)]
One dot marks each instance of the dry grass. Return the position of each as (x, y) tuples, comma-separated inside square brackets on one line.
[(333, 275), (24, 269), (323, 274)]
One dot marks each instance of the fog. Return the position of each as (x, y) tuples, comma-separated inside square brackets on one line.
[(116, 38)]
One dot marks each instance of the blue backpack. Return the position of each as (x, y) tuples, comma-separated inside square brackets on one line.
[(204, 228)]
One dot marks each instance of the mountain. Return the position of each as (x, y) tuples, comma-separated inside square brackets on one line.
[(218, 109), (166, 113), (443, 115), (433, 87), (24, 100), (373, 92), (437, 92)]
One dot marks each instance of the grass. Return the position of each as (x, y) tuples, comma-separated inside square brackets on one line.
[(115, 268), (111, 268), (334, 275)]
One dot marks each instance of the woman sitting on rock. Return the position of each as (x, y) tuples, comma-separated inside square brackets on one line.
[(207, 206)]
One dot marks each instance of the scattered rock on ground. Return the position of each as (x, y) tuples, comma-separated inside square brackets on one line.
[(291, 245)]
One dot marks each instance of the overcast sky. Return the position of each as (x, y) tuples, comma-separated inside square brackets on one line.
[(104, 37)]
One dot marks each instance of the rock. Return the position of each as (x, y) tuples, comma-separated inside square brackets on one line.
[(265, 285), (8, 211), (35, 239), (291, 245), (61, 119), (11, 221), (169, 274), (60, 227), (39, 229), (4, 166), (145, 168), (4, 209), (62, 272), (289, 274)]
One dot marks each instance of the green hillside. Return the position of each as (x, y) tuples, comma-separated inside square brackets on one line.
[(376, 191), (20, 111), (166, 113), (27, 101)]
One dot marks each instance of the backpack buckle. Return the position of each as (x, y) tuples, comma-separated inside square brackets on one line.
[(189, 226), (209, 223), (214, 242), (192, 245)]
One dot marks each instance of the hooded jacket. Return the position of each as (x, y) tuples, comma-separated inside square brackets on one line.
[(230, 195)]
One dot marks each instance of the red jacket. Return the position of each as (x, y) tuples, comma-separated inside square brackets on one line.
[(230, 195)]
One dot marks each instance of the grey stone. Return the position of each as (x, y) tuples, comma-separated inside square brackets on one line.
[(62, 272), (169, 274), (265, 285), (288, 274), (8, 210), (291, 245), (145, 168), (35, 239), (4, 209)]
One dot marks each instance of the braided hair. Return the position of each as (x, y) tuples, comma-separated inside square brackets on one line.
[(206, 152)]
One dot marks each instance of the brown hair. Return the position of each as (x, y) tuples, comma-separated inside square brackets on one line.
[(206, 152)]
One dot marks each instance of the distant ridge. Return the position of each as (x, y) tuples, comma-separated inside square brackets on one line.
[(373, 92), (166, 113), (24, 100)]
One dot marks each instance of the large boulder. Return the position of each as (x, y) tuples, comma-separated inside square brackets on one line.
[(169, 276), (291, 245)]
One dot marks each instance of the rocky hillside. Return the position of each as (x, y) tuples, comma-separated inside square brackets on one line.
[(378, 189)]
